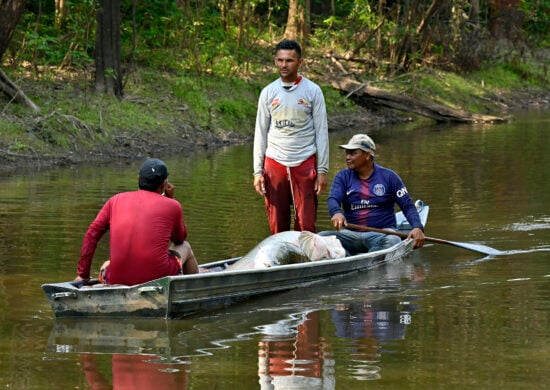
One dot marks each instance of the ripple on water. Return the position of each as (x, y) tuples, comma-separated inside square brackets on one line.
[(531, 223)]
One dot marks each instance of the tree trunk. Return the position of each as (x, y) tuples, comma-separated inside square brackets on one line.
[(291, 30), (108, 73), (427, 15), (242, 20), (297, 25), (474, 13), (60, 12), (381, 17), (506, 19), (10, 13), (15, 93), (365, 95)]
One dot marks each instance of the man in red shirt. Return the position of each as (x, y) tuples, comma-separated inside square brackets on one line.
[(142, 225)]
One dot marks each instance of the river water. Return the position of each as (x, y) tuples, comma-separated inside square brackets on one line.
[(444, 317)]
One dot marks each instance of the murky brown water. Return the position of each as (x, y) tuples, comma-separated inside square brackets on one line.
[(443, 318)]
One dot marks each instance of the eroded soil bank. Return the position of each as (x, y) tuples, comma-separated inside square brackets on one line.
[(131, 147)]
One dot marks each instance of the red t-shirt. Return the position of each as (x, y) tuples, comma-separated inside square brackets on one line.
[(142, 224)]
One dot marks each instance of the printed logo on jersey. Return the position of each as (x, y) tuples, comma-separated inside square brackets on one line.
[(303, 102), (363, 204), (275, 103), (284, 123), (379, 189), (402, 192)]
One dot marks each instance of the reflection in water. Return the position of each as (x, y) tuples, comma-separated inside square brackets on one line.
[(135, 372), (369, 325), (295, 353), (295, 341), (140, 353), (292, 355)]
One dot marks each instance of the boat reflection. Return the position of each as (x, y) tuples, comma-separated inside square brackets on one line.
[(299, 352), (141, 353), (300, 336), (293, 354), (134, 372)]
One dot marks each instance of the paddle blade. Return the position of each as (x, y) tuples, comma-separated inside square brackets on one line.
[(487, 250)]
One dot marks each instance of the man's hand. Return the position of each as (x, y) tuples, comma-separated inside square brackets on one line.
[(418, 236), (169, 190), (320, 183), (259, 184), (338, 221)]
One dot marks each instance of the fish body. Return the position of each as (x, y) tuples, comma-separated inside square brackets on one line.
[(289, 247), (280, 248)]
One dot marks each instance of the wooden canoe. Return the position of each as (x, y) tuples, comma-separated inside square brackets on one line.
[(179, 296)]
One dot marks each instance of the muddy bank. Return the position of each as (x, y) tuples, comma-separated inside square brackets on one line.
[(136, 147)]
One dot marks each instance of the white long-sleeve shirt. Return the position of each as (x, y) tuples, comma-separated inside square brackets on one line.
[(291, 125)]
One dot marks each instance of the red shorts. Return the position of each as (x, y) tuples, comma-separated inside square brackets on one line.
[(286, 187), (172, 256)]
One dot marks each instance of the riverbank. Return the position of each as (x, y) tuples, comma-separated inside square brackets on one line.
[(164, 114)]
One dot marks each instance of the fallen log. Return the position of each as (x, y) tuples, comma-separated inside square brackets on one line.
[(366, 95), (15, 93)]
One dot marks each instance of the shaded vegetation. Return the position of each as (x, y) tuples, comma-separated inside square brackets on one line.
[(192, 72)]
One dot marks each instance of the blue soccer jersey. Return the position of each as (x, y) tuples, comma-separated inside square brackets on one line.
[(371, 202)]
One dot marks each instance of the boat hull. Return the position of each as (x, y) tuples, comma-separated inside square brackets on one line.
[(179, 296)]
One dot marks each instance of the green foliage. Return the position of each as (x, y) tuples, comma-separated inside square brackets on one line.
[(46, 39), (190, 93), (216, 104), (223, 38), (537, 20), (239, 110), (10, 128), (202, 64), (336, 102), (515, 75)]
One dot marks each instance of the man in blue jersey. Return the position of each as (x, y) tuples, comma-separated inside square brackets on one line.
[(290, 144), (365, 194)]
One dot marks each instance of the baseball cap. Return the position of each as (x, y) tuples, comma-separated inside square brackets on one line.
[(361, 141), (152, 173)]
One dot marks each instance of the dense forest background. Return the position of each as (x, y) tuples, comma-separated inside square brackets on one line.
[(128, 49), (229, 37)]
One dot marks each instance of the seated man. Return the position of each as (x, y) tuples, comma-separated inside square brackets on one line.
[(142, 224), (367, 192)]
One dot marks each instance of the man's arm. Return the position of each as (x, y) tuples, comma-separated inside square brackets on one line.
[(263, 119), (321, 132), (320, 182), (334, 202), (406, 205), (179, 232), (92, 236)]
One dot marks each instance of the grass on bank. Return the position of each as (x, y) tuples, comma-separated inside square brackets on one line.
[(73, 117), (482, 91)]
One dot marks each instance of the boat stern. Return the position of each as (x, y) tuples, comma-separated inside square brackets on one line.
[(144, 300)]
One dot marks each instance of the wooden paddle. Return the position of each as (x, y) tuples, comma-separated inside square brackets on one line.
[(487, 250)]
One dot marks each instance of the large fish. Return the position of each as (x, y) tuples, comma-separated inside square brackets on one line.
[(288, 248)]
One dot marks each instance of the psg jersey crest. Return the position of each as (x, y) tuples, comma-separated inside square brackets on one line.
[(379, 189)]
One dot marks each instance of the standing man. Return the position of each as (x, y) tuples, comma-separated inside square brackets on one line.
[(365, 194), (142, 224), (291, 144)]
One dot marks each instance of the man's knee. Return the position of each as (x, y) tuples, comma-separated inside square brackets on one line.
[(183, 250), (391, 240)]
